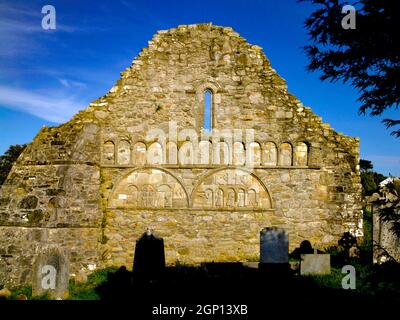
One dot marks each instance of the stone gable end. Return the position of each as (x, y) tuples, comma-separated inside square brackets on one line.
[(139, 157)]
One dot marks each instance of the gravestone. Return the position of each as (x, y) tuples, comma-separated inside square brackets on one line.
[(149, 260), (274, 246), (51, 273), (315, 264)]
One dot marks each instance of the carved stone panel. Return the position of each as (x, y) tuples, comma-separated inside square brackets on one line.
[(239, 155), (254, 154), (109, 152), (285, 154), (231, 189), (149, 188), (124, 152), (172, 153), (155, 154), (186, 153), (205, 152), (221, 154), (270, 154), (300, 154), (139, 154)]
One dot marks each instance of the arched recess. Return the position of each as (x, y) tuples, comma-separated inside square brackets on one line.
[(155, 154), (172, 153), (139, 154), (151, 188), (254, 154), (221, 153), (285, 154), (232, 189), (300, 158), (205, 152), (186, 153), (124, 152), (109, 152), (269, 154), (239, 154)]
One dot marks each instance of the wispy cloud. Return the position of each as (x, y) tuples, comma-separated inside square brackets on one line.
[(19, 26), (72, 84), (52, 106)]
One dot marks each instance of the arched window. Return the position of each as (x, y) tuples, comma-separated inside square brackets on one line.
[(208, 104)]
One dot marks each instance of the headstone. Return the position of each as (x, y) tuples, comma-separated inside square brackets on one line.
[(149, 260), (315, 264), (274, 246), (51, 274)]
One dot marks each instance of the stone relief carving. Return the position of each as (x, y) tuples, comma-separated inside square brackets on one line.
[(221, 153), (285, 154), (270, 154), (231, 189), (155, 154), (139, 153), (108, 152), (124, 152), (186, 153), (172, 153), (239, 155), (254, 156), (205, 150), (300, 154), (149, 188)]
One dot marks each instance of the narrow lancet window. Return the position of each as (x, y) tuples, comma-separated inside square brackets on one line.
[(207, 110)]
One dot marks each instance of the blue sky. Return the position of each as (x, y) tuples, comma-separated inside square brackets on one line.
[(48, 75)]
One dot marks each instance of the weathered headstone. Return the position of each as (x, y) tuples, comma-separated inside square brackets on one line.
[(149, 260), (274, 246), (315, 264), (51, 273)]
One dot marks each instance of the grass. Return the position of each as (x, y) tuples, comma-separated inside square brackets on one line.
[(87, 290), (372, 280)]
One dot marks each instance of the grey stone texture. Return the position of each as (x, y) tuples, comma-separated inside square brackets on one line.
[(318, 264), (51, 273), (274, 245), (93, 185)]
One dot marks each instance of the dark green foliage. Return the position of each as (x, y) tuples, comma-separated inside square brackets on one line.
[(365, 165), (366, 247), (368, 57), (369, 179), (87, 291), (7, 160), (368, 183), (27, 291)]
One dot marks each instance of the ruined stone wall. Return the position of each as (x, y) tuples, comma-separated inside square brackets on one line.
[(139, 158)]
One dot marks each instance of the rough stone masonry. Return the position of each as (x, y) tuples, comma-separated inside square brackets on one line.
[(141, 158)]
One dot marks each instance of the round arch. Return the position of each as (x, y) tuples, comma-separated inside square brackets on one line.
[(165, 171), (227, 168)]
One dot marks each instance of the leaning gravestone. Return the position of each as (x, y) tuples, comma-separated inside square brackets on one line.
[(315, 264), (51, 273), (274, 246)]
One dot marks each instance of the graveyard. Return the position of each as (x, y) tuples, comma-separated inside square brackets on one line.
[(302, 276), (194, 181)]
